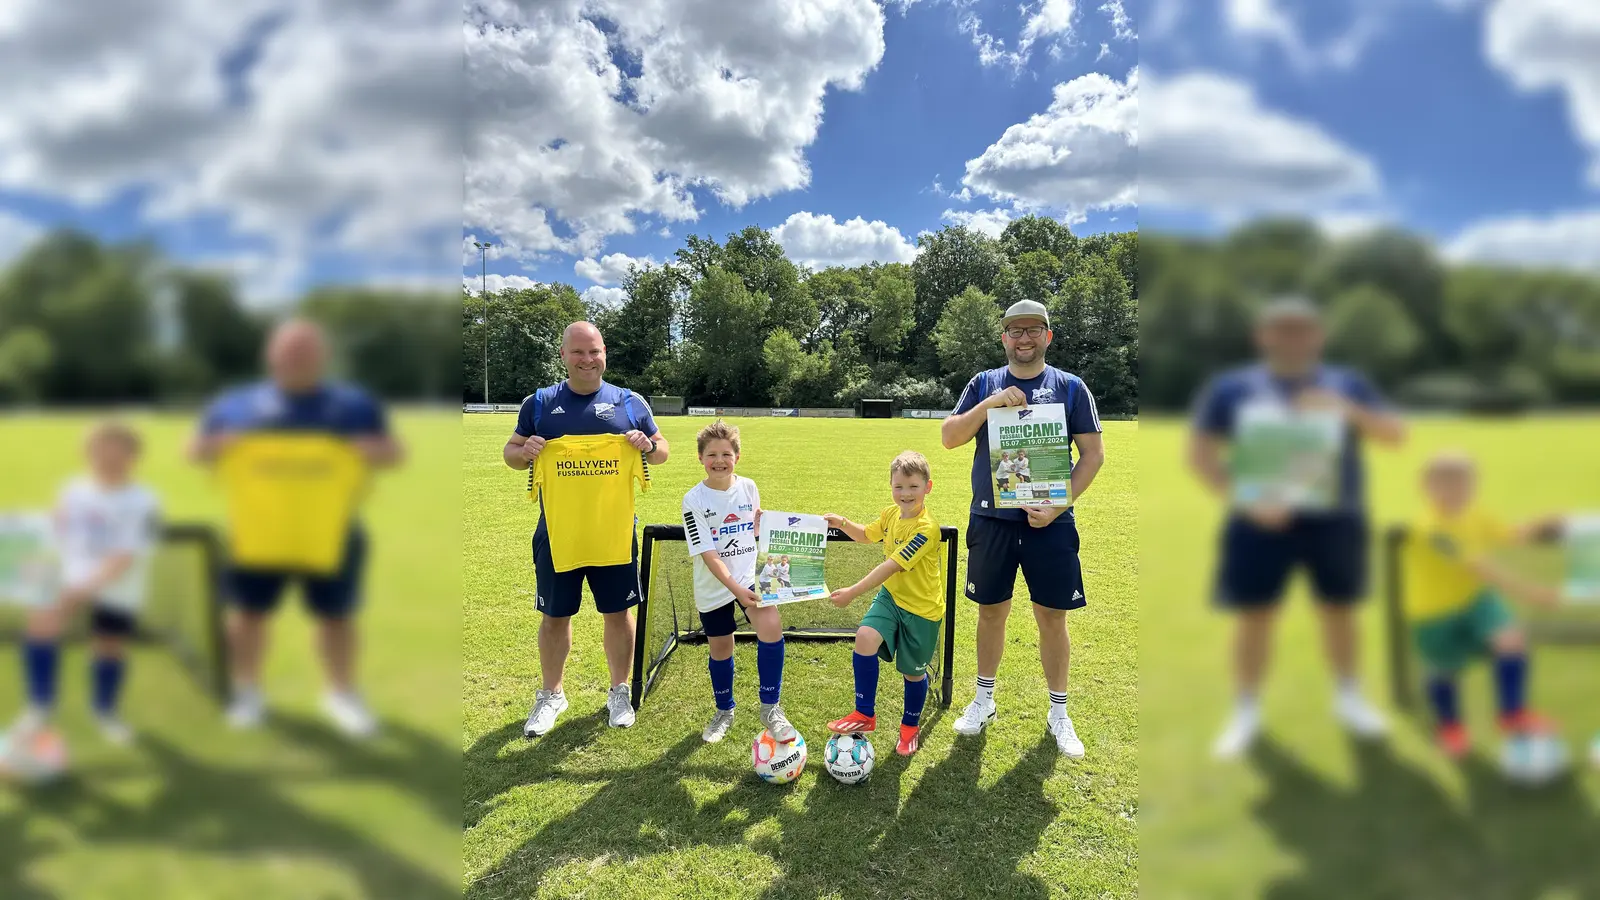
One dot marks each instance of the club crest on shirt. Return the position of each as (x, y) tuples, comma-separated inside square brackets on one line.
[(1044, 395), (605, 411)]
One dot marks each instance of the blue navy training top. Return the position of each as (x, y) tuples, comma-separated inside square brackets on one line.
[(557, 411), (335, 408), (1217, 409), (1050, 386)]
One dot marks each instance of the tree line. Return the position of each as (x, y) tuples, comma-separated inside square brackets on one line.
[(1430, 333), (737, 323), (83, 322)]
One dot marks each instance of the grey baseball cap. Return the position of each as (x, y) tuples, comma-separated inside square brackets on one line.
[(1292, 306), (1026, 309)]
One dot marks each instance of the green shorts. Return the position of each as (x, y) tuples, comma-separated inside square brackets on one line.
[(1448, 642), (909, 640)]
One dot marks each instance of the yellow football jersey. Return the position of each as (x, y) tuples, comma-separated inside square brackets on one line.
[(585, 483), (918, 588), (291, 498), (1436, 553)]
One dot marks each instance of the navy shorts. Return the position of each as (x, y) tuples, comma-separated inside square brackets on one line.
[(724, 619), (1256, 562), (559, 594), (333, 596), (108, 621), (1048, 557)]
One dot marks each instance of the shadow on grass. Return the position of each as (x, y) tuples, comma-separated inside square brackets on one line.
[(1399, 833), (846, 841), (200, 807)]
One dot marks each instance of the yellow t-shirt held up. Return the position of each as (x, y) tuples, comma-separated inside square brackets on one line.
[(291, 498), (913, 544), (585, 483)]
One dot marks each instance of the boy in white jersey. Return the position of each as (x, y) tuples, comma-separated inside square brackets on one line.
[(106, 530), (720, 518), (1020, 466), (769, 573), (783, 572), (1004, 470)]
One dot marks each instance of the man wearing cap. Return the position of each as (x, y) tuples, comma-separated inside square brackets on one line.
[(1262, 544), (1042, 541)]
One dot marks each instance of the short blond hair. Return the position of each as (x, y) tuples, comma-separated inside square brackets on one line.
[(717, 431), (117, 431), (911, 463)]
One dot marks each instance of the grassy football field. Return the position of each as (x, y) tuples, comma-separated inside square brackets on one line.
[(1312, 814), (652, 812), (293, 811)]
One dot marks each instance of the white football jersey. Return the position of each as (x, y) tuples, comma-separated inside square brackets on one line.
[(1006, 467), (95, 523), (724, 521), (1020, 466)]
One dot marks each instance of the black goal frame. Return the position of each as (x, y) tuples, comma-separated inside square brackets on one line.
[(645, 678)]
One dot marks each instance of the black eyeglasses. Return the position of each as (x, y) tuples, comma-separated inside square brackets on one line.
[(1032, 331)]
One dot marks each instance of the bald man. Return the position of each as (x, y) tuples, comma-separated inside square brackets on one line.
[(584, 403), (297, 397)]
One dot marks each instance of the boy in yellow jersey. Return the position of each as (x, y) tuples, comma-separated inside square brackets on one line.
[(902, 624), (1454, 596)]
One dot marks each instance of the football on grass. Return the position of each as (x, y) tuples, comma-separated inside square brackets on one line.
[(33, 758), (777, 763), (848, 758), (1533, 759)]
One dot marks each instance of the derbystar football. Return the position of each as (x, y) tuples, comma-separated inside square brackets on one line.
[(848, 758), (777, 763), (1533, 759), (33, 758)]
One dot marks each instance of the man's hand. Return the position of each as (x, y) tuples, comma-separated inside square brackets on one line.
[(843, 597), (1042, 516), (1011, 396), (208, 447), (747, 598), (1271, 516), (638, 439), (532, 447)]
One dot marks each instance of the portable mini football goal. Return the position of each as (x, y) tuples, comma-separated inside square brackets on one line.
[(666, 617), (182, 612), (1568, 626)]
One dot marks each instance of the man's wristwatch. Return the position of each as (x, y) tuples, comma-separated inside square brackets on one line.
[(652, 445)]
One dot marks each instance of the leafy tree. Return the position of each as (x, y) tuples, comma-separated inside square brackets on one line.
[(968, 337)]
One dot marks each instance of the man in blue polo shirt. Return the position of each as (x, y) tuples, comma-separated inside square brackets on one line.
[(297, 398), (1043, 542), (1263, 544), (583, 403)]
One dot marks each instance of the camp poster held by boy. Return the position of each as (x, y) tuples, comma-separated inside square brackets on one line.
[(1030, 456), (792, 549)]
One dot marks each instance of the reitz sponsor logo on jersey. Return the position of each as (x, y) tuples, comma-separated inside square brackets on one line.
[(1044, 395), (731, 517), (605, 411), (736, 528)]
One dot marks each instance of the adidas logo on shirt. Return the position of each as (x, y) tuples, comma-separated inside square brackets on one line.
[(557, 410)]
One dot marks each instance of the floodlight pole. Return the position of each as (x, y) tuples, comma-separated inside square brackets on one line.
[(483, 292)]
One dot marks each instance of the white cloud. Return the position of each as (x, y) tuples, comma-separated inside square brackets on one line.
[(567, 148), (1120, 22), (991, 50), (1269, 23), (818, 241), (293, 121), (605, 296), (988, 221), (1079, 155), (1552, 44), (470, 252), (1210, 145), (1567, 240), (497, 283), (1050, 19), (610, 269), (15, 236)]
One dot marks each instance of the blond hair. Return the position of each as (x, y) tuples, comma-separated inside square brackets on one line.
[(117, 431), (911, 463), (717, 431)]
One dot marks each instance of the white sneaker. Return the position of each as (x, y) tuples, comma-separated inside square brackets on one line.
[(975, 717), (1359, 716), (349, 714), (1067, 740), (1240, 733), (778, 724), (717, 728), (620, 704), (114, 730), (247, 709), (30, 720), (547, 705)]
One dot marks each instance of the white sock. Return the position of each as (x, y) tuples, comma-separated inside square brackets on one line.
[(1247, 705), (1058, 703), (1349, 690), (986, 690)]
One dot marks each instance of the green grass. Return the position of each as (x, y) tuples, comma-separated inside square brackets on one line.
[(1313, 815), (294, 811), (652, 812)]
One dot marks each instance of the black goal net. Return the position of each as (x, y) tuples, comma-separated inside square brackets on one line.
[(666, 616)]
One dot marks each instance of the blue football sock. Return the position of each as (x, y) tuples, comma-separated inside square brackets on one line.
[(769, 667), (916, 696), (106, 672), (1511, 681), (39, 661), (866, 666), (722, 682), (1442, 694)]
